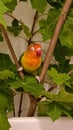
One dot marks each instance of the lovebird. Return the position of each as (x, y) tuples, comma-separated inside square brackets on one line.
[(31, 58)]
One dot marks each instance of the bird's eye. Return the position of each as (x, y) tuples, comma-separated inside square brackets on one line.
[(39, 49), (32, 48)]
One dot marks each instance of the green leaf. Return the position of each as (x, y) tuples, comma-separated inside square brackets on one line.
[(15, 28), (3, 8), (64, 67), (61, 52), (6, 1), (10, 4), (36, 4), (70, 89), (56, 105), (47, 26), (6, 99), (29, 84), (26, 30), (56, 4), (5, 74), (63, 97), (58, 78), (2, 21), (66, 35), (6, 102), (52, 109), (43, 108), (6, 63), (55, 110), (4, 124), (1, 38)]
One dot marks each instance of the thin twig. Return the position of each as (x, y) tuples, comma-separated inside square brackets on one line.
[(19, 21), (49, 26), (13, 109), (54, 86), (22, 37), (32, 29), (20, 104), (54, 39), (70, 72), (33, 100), (13, 17), (33, 105), (35, 32)]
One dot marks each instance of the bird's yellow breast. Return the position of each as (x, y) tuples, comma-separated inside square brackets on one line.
[(30, 62)]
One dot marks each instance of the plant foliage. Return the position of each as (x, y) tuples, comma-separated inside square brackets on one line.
[(54, 104)]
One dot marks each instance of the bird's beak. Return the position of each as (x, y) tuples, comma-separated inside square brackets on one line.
[(38, 51)]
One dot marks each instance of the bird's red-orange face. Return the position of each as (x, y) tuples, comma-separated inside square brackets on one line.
[(36, 48)]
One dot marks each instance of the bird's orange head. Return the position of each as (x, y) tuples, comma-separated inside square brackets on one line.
[(35, 48)]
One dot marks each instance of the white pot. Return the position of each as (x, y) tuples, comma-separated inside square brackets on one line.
[(40, 123)]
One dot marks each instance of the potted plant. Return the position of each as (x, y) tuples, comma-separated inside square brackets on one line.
[(56, 31)]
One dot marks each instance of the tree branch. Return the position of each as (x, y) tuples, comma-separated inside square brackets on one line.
[(33, 25), (20, 104), (33, 100), (14, 58), (70, 72), (54, 86), (54, 39), (11, 50), (10, 15), (33, 105)]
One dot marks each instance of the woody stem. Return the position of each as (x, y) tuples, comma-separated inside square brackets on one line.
[(32, 29), (54, 39)]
